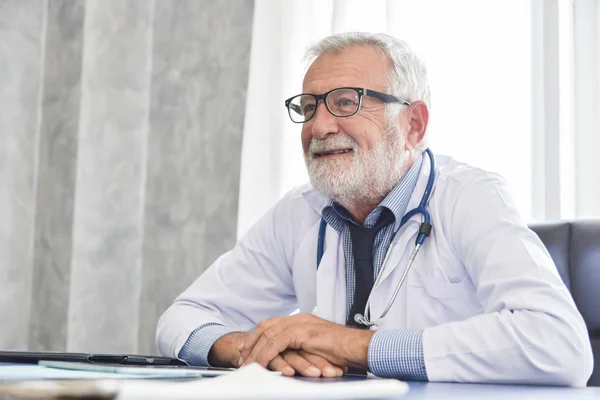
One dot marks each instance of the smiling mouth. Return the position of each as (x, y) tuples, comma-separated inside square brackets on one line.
[(331, 153)]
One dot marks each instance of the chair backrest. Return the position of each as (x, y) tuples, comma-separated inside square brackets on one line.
[(575, 249)]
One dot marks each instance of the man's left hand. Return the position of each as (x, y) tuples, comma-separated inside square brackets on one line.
[(340, 345)]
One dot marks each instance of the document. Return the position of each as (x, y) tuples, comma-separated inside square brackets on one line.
[(250, 382), (254, 382)]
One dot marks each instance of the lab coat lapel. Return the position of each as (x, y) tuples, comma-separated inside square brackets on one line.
[(404, 242), (331, 280), (331, 275)]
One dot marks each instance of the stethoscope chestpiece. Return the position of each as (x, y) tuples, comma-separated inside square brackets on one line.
[(360, 319)]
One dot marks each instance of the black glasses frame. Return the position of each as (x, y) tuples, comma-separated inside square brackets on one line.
[(384, 97)]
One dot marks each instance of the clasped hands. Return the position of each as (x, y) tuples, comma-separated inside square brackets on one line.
[(301, 343)]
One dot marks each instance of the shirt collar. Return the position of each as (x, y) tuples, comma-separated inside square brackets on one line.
[(397, 200)]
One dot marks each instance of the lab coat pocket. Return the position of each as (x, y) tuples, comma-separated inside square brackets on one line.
[(445, 301)]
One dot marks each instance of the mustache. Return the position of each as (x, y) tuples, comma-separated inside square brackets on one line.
[(318, 146)]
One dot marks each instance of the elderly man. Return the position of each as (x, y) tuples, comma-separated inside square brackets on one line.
[(481, 302)]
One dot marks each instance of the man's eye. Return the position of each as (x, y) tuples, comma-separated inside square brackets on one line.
[(346, 102), (308, 108)]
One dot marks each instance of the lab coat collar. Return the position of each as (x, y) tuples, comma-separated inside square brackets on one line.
[(316, 199), (417, 193)]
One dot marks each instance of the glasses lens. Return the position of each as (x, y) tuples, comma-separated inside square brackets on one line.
[(343, 102), (302, 108)]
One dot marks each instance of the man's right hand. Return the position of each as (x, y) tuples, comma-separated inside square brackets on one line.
[(226, 353)]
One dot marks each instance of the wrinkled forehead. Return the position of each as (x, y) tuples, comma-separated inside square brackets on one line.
[(355, 66)]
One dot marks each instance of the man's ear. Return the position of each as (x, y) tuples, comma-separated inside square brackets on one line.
[(417, 117)]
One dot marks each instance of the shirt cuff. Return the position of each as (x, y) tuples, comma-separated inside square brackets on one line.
[(398, 354), (195, 350)]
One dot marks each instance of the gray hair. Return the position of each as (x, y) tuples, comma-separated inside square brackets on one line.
[(407, 79)]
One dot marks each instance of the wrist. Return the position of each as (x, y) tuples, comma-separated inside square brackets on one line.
[(224, 352), (356, 347)]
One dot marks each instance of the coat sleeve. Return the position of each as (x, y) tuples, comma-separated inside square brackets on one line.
[(246, 285), (531, 331)]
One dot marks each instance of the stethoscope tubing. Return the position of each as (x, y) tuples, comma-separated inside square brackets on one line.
[(424, 231)]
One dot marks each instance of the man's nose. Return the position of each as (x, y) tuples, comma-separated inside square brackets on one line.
[(324, 123)]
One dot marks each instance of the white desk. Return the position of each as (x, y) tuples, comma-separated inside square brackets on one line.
[(434, 391)]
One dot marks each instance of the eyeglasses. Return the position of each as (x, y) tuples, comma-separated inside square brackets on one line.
[(340, 102)]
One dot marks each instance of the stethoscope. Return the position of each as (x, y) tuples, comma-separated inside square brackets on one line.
[(424, 231)]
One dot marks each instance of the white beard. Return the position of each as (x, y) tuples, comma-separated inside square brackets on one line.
[(362, 177)]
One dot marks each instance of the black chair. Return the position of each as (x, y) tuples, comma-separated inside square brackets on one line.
[(575, 249)]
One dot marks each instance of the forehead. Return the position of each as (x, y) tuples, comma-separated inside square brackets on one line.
[(356, 66)]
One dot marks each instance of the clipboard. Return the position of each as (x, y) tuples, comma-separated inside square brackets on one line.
[(153, 371)]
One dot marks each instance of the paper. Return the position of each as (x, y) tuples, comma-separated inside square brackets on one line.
[(254, 382), (251, 382)]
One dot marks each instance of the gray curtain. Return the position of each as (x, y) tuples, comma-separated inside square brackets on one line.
[(120, 142)]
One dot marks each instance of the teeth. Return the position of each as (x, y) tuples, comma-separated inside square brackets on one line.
[(336, 152)]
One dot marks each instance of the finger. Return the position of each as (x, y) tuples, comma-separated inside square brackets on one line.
[(251, 340), (328, 369), (264, 351), (268, 347), (279, 364), (256, 334), (300, 364)]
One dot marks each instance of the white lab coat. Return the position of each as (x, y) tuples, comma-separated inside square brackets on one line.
[(483, 288)]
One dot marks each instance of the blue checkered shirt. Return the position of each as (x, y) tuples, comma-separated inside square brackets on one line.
[(392, 353)]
